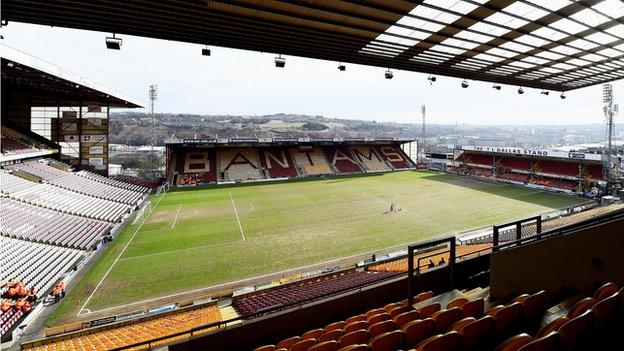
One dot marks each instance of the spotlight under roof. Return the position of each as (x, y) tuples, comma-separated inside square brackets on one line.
[(497, 87), (113, 43), (280, 61), (563, 96), (432, 79), (545, 92), (520, 91), (465, 84), (342, 67), (389, 74), (206, 51)]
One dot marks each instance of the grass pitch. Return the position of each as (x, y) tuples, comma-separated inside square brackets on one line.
[(201, 237)]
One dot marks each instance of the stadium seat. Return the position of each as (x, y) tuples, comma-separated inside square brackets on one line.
[(355, 326), (381, 327), (428, 310), (357, 318), (581, 306), (440, 342), (418, 330), (312, 334), (476, 334), (331, 345), (334, 334), (507, 318), (335, 325), (423, 296), (406, 317), (605, 290), (473, 308), (359, 336), (549, 342), (457, 326), (266, 348), (605, 312), (398, 310), (376, 318), (515, 342), (287, 343), (458, 302), (303, 345), (574, 333), (389, 341), (356, 347), (445, 318), (554, 325)]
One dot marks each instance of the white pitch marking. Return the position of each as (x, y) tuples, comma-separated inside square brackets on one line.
[(117, 259), (250, 210), (237, 218), (176, 217)]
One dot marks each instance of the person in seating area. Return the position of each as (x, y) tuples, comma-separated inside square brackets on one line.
[(441, 262), (431, 264)]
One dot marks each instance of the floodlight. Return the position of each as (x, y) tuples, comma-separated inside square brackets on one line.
[(342, 67), (113, 43), (389, 74), (464, 84), (497, 87), (280, 61), (432, 79), (520, 91), (563, 95), (206, 51), (545, 92)]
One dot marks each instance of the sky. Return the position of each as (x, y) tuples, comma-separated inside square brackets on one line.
[(239, 82)]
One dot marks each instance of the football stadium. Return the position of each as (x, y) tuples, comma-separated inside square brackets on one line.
[(316, 240)]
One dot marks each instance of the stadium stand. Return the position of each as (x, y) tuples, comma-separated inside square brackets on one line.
[(143, 183), (196, 167), (37, 265), (479, 172), (32, 223), (593, 171), (515, 163), (277, 162), (559, 168), (14, 142), (311, 161), (304, 291), (368, 156), (480, 159), (342, 159), (52, 197), (563, 184), (132, 183), (128, 333), (240, 164), (80, 184), (395, 156), (517, 177)]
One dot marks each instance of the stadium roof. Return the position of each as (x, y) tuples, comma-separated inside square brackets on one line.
[(546, 44), (60, 85)]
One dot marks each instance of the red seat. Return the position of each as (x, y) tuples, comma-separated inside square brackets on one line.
[(442, 342), (418, 330), (266, 348), (358, 347), (312, 334), (331, 335), (581, 306), (358, 318), (428, 310), (459, 302), (331, 345), (335, 325), (457, 326), (353, 338), (287, 343), (303, 345), (473, 308), (374, 311), (355, 326), (605, 312), (575, 332), (378, 318), (549, 342), (554, 325), (423, 296), (390, 341), (445, 318), (507, 318), (515, 342), (533, 306), (474, 335), (605, 290), (398, 310), (406, 317), (380, 328)]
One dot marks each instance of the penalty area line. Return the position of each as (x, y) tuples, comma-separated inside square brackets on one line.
[(117, 259), (237, 217), (176, 217)]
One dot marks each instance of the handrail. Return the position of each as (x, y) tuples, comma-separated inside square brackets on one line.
[(451, 240)]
